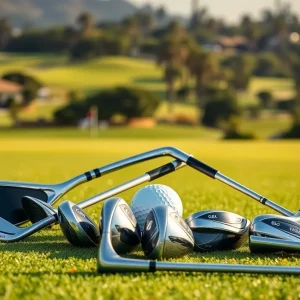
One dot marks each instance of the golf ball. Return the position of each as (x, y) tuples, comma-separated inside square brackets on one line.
[(151, 196)]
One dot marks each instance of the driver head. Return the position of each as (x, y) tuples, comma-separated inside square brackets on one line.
[(77, 226), (218, 230), (118, 220), (166, 235)]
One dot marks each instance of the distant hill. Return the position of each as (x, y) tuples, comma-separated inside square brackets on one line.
[(46, 13)]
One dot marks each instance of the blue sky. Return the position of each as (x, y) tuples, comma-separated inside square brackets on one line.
[(230, 10)]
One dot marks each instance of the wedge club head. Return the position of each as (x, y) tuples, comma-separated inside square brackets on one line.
[(165, 234), (218, 230), (272, 233)]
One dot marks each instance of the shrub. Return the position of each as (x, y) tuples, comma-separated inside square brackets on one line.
[(85, 48), (294, 131), (265, 99), (125, 101), (221, 106), (286, 105), (30, 85), (270, 65), (71, 114), (232, 132)]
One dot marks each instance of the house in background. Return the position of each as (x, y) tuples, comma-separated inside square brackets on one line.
[(9, 90)]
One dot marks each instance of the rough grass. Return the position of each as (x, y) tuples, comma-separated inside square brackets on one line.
[(45, 266)]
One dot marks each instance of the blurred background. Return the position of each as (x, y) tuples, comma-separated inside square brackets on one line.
[(162, 68)]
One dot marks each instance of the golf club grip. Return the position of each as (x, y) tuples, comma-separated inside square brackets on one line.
[(202, 167), (165, 170)]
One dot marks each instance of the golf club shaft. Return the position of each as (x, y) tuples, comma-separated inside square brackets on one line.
[(219, 176), (225, 268), (98, 172), (147, 177), (110, 262), (192, 162)]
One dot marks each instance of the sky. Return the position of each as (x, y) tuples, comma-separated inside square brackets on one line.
[(230, 10)]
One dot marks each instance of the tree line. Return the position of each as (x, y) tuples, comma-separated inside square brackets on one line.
[(271, 48)]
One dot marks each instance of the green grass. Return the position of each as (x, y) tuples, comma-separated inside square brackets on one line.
[(45, 266), (263, 129)]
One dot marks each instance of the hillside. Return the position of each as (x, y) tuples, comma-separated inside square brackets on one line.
[(44, 13)]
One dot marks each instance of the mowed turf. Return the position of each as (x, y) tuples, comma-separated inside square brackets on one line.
[(45, 266)]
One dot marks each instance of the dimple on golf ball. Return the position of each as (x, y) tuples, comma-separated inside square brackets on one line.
[(151, 196)]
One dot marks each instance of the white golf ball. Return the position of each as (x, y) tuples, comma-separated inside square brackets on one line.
[(151, 196)]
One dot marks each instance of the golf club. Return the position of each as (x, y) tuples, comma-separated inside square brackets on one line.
[(165, 234), (271, 233), (12, 192), (218, 230), (12, 233), (125, 231), (110, 262)]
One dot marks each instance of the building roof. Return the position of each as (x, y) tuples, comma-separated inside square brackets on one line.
[(9, 87), (232, 42)]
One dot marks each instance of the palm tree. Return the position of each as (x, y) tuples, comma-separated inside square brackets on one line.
[(249, 30), (131, 29), (70, 36), (176, 30), (296, 77), (86, 22), (161, 15), (203, 68), (5, 31), (172, 72), (146, 22), (173, 54)]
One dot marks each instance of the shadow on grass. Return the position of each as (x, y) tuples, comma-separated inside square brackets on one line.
[(144, 80), (60, 248)]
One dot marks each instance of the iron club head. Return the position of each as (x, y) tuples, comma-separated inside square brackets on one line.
[(272, 233), (124, 231), (77, 226), (165, 234)]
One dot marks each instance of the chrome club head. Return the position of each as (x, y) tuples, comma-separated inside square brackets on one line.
[(123, 228), (79, 229), (37, 210), (165, 234), (272, 233), (12, 233), (218, 230)]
